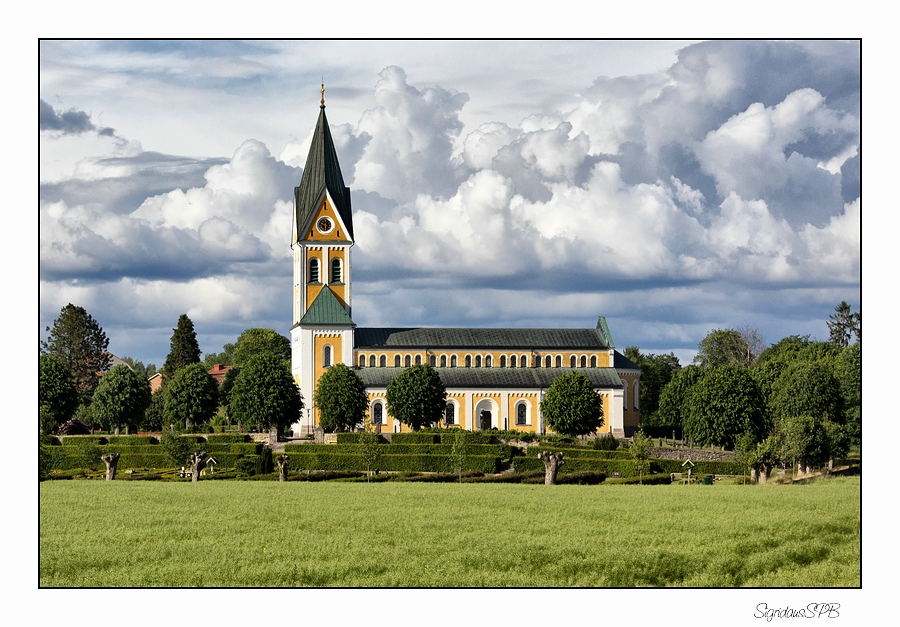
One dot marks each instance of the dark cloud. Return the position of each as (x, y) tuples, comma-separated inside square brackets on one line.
[(72, 122)]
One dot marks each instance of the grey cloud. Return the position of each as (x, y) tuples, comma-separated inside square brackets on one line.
[(68, 122)]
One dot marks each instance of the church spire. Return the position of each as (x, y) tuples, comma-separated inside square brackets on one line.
[(322, 172)]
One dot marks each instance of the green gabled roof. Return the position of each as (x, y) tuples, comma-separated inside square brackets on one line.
[(326, 309), (603, 330), (322, 171), (481, 339), (497, 378)]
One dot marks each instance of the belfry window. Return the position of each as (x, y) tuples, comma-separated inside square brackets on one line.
[(313, 270), (335, 270)]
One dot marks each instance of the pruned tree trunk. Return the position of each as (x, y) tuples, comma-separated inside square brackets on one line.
[(282, 468), (198, 463), (111, 460), (552, 462)]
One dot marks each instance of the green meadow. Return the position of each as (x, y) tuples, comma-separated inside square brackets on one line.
[(268, 534)]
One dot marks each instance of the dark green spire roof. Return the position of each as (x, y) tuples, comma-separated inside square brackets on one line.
[(326, 309), (322, 171)]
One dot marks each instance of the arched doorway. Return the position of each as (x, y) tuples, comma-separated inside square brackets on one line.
[(486, 414)]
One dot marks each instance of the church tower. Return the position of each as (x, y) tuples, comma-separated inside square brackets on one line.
[(321, 239)]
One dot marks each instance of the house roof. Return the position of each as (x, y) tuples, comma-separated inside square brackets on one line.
[(326, 309), (322, 171), (480, 339), (621, 362), (497, 378)]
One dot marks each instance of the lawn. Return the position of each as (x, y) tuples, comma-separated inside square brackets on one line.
[(268, 534)]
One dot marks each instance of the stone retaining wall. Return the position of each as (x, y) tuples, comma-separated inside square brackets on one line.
[(692, 454)]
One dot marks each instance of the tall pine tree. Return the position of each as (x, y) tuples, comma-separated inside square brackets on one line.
[(80, 343), (184, 348)]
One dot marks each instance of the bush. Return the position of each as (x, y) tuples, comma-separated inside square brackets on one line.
[(74, 427), (607, 442)]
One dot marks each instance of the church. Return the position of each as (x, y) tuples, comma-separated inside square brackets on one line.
[(495, 378)]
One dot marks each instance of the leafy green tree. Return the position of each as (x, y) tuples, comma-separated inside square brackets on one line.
[(191, 396), (184, 349), (138, 366), (640, 448), (843, 323), (417, 396), (722, 347), (745, 452), (57, 396), (785, 350), (806, 441), (674, 396), (225, 358), (370, 450), (265, 394), (80, 343), (848, 371), (121, 399), (340, 400), (724, 404), (656, 372), (255, 341), (227, 384), (177, 448), (807, 388), (154, 416), (571, 406)]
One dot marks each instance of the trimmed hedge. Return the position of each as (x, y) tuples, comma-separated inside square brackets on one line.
[(580, 453), (700, 467), (415, 437), (353, 438), (228, 438), (391, 463), (501, 450)]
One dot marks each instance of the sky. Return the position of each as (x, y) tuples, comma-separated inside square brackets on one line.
[(672, 186)]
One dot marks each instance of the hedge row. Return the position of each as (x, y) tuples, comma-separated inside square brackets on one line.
[(500, 450), (227, 438), (700, 467), (119, 440), (354, 438), (415, 438), (581, 453), (393, 463), (69, 458)]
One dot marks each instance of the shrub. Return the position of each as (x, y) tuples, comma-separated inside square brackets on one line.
[(73, 426), (607, 442)]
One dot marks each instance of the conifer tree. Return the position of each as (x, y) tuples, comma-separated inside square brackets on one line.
[(80, 343), (184, 349)]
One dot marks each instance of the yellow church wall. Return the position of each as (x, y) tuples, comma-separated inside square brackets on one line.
[(532, 402), (319, 343), (425, 356)]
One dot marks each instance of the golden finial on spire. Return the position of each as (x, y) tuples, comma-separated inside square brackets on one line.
[(322, 102)]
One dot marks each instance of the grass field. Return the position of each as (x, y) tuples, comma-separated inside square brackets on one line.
[(268, 534)]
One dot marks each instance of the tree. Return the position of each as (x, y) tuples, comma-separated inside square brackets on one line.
[(417, 396), (805, 441), (265, 394), (340, 400), (177, 448), (745, 452), (724, 404), (370, 450), (848, 371), (255, 341), (138, 366), (640, 448), (191, 396), (227, 384), (843, 324), (674, 396), (154, 416), (459, 450), (724, 347), (225, 358), (807, 388), (57, 396), (80, 343), (571, 406), (656, 372), (184, 349), (121, 399), (552, 463)]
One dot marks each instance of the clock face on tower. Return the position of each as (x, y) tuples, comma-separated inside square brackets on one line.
[(324, 225)]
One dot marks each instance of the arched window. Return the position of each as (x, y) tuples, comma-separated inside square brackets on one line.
[(335, 270), (371, 361), (572, 361), (503, 361), (487, 361), (383, 361), (407, 362), (512, 361), (362, 361), (523, 363), (377, 413), (418, 360), (443, 361), (548, 361), (313, 270), (593, 361), (468, 361), (450, 414), (396, 361), (584, 361), (636, 396), (326, 356), (625, 396), (559, 361), (453, 361), (521, 414), (432, 361), (478, 361)]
